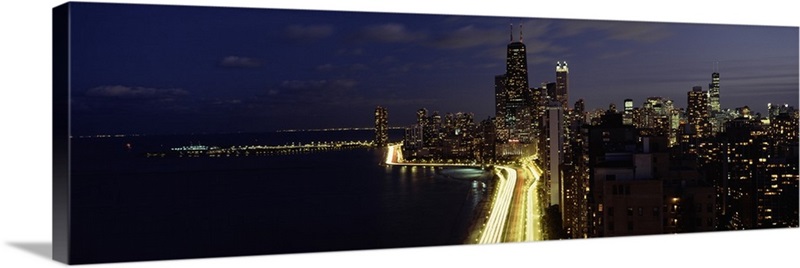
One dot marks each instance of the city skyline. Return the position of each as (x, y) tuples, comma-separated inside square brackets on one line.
[(235, 68)]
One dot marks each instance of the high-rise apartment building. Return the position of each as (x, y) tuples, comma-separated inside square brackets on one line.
[(576, 174), (381, 126), (500, 96), (553, 137), (697, 112), (624, 197), (760, 174)]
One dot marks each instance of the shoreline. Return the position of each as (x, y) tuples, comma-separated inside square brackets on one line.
[(480, 214)]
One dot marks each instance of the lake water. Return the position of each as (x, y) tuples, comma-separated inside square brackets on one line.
[(128, 207)]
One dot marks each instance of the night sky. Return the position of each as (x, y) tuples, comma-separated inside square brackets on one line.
[(173, 70)]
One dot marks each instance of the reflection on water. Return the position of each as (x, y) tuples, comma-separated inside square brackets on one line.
[(192, 207)]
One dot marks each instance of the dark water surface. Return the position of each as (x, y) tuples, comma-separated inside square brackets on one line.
[(127, 207)]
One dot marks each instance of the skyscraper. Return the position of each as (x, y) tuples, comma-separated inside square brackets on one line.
[(554, 137), (500, 96), (716, 117), (627, 115), (516, 68), (381, 126), (517, 106), (580, 107), (562, 83), (514, 102), (576, 174), (697, 112), (713, 93)]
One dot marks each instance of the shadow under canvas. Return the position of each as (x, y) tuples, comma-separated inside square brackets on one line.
[(41, 249)]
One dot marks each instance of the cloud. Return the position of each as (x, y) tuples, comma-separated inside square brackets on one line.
[(388, 33), (470, 36), (319, 84), (467, 37), (387, 59), (239, 62), (125, 92), (326, 67), (535, 29), (308, 32), (432, 64), (543, 47), (402, 68), (355, 51), (462, 37), (641, 32), (301, 84), (226, 101), (615, 54), (358, 67), (313, 95), (329, 67), (133, 102), (532, 47)]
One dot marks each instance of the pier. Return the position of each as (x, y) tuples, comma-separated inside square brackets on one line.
[(259, 150)]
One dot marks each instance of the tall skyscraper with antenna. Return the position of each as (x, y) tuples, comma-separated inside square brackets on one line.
[(517, 100), (516, 66)]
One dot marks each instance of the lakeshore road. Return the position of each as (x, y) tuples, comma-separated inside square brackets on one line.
[(515, 210), (534, 208)]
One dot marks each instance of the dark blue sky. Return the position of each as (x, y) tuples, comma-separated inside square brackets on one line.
[(162, 69)]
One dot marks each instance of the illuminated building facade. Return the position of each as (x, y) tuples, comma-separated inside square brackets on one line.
[(717, 117), (500, 95), (576, 174), (655, 117), (690, 201), (580, 107), (562, 84), (623, 193), (513, 100), (412, 141), (381, 126), (553, 142), (453, 137), (516, 67), (486, 141), (761, 175), (697, 117), (639, 186), (627, 116), (742, 144), (697, 111), (783, 129), (713, 93)]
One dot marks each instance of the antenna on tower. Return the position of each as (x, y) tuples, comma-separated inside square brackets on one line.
[(520, 32), (511, 32)]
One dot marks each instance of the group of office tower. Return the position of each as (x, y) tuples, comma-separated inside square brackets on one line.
[(640, 170)]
